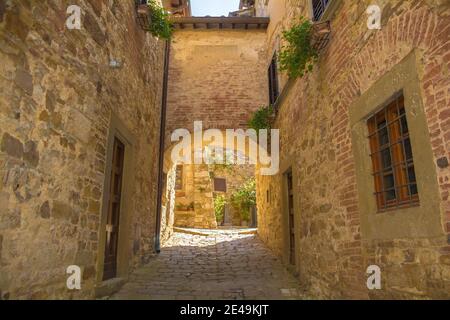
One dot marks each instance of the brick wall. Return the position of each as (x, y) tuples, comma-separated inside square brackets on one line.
[(218, 77), (332, 255), (58, 93)]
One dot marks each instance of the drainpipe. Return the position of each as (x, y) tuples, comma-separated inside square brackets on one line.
[(162, 132)]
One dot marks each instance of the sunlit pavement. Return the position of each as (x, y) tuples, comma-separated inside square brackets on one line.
[(219, 264)]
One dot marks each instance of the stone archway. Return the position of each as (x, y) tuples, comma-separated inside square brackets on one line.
[(191, 188)]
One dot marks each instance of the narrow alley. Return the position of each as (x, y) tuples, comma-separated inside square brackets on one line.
[(223, 264), (224, 149)]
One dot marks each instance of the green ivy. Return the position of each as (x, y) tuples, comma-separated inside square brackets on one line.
[(160, 26), (298, 56), (262, 118)]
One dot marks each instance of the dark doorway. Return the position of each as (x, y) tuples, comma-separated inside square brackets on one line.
[(112, 222), (254, 217), (291, 218)]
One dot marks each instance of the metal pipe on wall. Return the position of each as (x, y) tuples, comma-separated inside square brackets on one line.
[(162, 133)]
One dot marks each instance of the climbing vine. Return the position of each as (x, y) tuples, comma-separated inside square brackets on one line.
[(298, 56), (262, 118), (159, 26)]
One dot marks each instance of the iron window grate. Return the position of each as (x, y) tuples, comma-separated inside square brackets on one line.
[(392, 158), (319, 7)]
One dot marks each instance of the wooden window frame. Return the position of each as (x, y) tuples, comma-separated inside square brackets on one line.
[(390, 159), (274, 89)]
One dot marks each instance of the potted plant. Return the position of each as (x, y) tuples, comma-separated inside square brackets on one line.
[(244, 199), (219, 208), (245, 217)]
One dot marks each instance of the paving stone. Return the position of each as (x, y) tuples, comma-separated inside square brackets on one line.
[(221, 266)]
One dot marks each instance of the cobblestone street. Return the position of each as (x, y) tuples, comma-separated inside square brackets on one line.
[(218, 265)]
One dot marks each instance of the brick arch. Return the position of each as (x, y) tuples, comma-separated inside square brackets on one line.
[(244, 150)]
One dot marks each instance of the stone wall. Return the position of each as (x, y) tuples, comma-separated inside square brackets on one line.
[(235, 176), (168, 200), (58, 95), (333, 250), (194, 203)]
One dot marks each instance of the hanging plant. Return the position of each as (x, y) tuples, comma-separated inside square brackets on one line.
[(159, 25), (262, 119), (298, 56)]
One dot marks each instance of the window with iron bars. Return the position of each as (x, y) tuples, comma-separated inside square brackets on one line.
[(392, 158), (319, 7)]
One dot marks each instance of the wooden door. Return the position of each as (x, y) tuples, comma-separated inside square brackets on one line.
[(112, 223), (291, 219)]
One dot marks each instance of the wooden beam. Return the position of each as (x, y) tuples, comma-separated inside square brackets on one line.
[(221, 22)]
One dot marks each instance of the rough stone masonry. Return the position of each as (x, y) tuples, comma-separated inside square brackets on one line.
[(58, 96), (62, 104), (337, 234)]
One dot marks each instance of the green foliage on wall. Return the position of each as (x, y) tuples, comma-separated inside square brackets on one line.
[(262, 118), (244, 198), (219, 207), (298, 57), (160, 25)]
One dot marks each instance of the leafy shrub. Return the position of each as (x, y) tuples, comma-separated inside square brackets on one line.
[(244, 198), (219, 207), (262, 118)]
